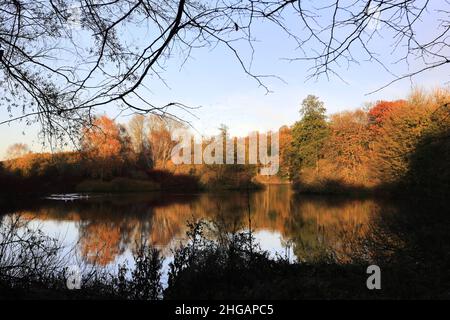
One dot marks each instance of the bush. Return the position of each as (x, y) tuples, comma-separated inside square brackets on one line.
[(169, 180)]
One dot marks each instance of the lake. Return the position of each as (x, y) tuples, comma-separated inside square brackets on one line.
[(105, 229)]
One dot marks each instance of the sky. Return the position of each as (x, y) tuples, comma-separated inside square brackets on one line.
[(213, 82)]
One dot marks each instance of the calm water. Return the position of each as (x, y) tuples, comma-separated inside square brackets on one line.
[(105, 229)]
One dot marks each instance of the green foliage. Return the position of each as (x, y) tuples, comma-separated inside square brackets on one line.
[(312, 107), (308, 136)]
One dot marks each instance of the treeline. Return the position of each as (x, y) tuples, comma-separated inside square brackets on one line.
[(386, 146), (118, 158), (401, 145)]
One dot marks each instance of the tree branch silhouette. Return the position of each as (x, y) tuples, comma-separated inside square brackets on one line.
[(57, 75)]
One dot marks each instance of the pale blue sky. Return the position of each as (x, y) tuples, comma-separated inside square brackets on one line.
[(214, 81)]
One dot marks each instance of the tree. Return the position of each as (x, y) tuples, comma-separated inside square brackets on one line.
[(429, 172), (380, 112), (17, 150), (285, 143), (312, 107), (308, 136), (160, 131), (51, 74), (139, 140), (104, 147), (126, 150), (136, 128), (398, 137), (347, 149)]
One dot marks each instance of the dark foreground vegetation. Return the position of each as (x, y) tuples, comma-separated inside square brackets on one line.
[(410, 242)]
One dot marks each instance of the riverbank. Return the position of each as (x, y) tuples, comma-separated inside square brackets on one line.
[(393, 190), (41, 174)]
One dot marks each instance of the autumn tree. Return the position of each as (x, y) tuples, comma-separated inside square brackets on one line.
[(233, 175), (136, 129), (285, 143), (395, 143), (220, 171), (104, 146), (429, 171), (160, 141), (139, 140), (399, 135), (347, 148), (380, 112), (17, 150), (308, 136)]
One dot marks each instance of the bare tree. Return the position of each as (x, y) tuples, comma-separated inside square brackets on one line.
[(136, 128), (160, 131), (58, 75), (26, 254), (17, 150)]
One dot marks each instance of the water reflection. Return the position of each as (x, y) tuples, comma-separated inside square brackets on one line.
[(107, 229)]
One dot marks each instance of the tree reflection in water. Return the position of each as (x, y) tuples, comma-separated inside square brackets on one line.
[(315, 227)]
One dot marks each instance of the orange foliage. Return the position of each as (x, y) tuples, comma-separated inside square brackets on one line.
[(348, 144), (42, 164), (403, 128), (381, 110), (100, 242), (103, 145), (285, 137), (102, 140)]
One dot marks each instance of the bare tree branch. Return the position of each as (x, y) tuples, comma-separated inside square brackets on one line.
[(57, 75)]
